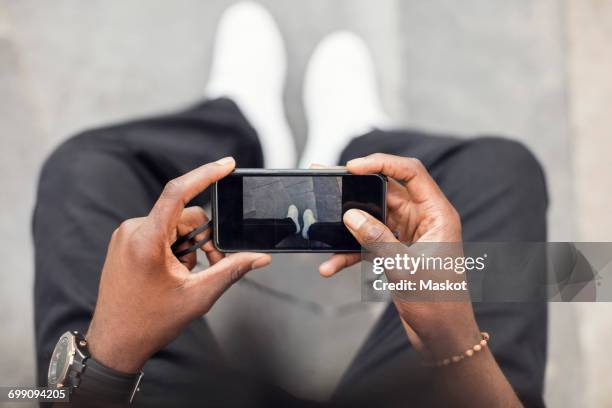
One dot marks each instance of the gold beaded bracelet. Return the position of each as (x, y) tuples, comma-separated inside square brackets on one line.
[(466, 354)]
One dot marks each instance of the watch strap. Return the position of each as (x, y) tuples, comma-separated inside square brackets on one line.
[(103, 383)]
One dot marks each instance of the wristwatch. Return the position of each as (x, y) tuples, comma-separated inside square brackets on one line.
[(72, 367)]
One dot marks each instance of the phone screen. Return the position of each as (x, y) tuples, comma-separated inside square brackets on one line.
[(293, 212)]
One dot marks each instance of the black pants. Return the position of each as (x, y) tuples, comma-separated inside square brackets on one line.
[(97, 179), (269, 232)]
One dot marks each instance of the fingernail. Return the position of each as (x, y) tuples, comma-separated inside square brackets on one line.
[(225, 161), (261, 262), (360, 161), (354, 218), (325, 268)]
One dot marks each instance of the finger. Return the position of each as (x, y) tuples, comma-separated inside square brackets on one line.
[(212, 282), (318, 166), (366, 229), (411, 171), (193, 217), (212, 253), (398, 198), (178, 192), (190, 260), (125, 232), (337, 262)]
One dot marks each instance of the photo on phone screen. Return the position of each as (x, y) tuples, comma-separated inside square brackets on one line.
[(278, 211)]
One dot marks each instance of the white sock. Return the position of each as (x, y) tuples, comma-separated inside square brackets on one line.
[(341, 97), (249, 66)]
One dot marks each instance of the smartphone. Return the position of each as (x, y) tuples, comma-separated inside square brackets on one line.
[(292, 210)]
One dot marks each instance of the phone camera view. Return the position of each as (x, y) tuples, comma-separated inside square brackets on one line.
[(292, 213)]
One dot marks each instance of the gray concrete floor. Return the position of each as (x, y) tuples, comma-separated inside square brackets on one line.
[(270, 197), (534, 71)]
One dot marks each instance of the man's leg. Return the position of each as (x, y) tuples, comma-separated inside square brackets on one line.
[(90, 185), (327, 232), (268, 232), (498, 188)]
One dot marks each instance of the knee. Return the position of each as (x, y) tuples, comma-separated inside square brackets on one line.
[(511, 164), (65, 159), (70, 170)]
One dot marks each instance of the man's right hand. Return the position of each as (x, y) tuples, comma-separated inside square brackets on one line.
[(418, 211), (147, 296)]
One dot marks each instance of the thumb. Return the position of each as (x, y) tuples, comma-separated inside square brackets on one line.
[(367, 229)]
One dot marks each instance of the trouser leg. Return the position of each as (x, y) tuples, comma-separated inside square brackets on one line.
[(499, 190), (266, 233), (331, 233)]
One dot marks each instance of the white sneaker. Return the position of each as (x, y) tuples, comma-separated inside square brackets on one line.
[(309, 219), (341, 98), (292, 212), (249, 66)]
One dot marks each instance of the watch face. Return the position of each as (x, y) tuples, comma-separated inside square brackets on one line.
[(61, 360)]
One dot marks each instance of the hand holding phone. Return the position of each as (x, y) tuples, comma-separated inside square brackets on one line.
[(146, 295), (417, 209), (418, 212)]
